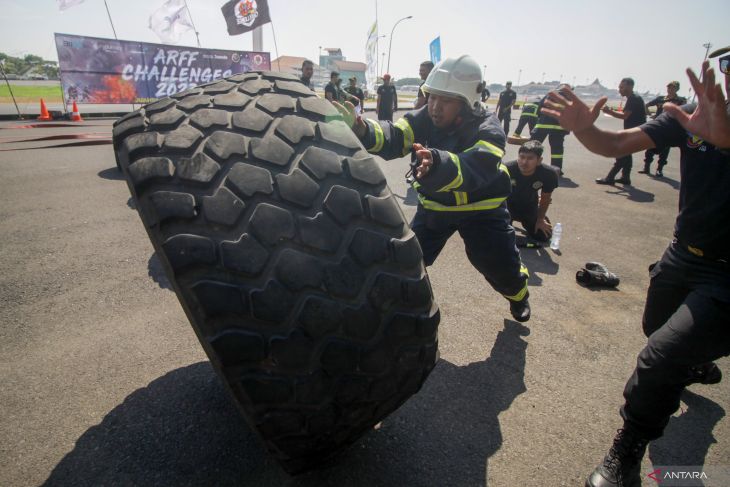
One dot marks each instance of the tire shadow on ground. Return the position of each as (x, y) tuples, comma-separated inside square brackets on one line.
[(112, 173), (693, 427), (157, 272), (183, 429)]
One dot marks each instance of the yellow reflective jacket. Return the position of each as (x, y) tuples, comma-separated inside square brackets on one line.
[(467, 174)]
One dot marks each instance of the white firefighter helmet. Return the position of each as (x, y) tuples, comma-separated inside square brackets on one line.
[(457, 77)]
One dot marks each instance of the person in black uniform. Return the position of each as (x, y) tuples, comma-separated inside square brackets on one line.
[(687, 311), (387, 101), (505, 102), (357, 93), (529, 175), (547, 126), (332, 89), (633, 115), (461, 183), (423, 71), (307, 72), (658, 102), (528, 117)]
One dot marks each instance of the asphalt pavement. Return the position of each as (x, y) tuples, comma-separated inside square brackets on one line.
[(104, 382)]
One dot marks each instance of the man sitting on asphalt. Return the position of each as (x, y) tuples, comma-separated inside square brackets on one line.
[(461, 183), (530, 176)]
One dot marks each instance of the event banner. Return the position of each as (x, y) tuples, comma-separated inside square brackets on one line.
[(95, 70)]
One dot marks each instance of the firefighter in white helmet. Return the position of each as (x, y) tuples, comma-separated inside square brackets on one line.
[(462, 185)]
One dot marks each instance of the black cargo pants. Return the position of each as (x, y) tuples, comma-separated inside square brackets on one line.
[(489, 241), (687, 320), (525, 120), (556, 138)]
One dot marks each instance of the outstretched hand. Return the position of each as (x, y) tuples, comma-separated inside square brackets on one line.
[(351, 118), (425, 160), (710, 120), (571, 112)]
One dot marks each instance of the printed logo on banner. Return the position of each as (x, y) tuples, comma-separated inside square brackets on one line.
[(235, 57), (247, 11)]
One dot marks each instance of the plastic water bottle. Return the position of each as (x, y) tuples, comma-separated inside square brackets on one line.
[(557, 233)]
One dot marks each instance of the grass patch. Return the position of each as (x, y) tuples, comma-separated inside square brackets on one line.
[(30, 93)]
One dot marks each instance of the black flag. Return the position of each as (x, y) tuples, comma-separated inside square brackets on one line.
[(245, 15)]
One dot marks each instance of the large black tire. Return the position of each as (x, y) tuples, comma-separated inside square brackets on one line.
[(292, 260)]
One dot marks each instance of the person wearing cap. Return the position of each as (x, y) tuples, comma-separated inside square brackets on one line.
[(332, 89), (358, 97), (687, 310), (387, 101), (658, 102), (505, 102), (423, 71), (462, 186)]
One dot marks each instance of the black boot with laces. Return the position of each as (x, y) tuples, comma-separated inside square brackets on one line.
[(622, 465)]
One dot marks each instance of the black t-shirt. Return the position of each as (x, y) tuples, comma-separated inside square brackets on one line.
[(660, 100), (506, 98), (387, 97), (421, 93), (306, 81), (525, 188), (356, 92), (704, 198), (332, 89), (635, 105)]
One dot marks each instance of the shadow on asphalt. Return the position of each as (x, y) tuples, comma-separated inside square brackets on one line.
[(157, 272), (565, 182), (671, 182), (633, 193), (112, 173), (411, 198), (183, 429), (693, 427), (538, 261)]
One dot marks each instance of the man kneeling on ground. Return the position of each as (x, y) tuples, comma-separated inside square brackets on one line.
[(530, 176)]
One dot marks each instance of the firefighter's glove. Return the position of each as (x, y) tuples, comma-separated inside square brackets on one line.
[(596, 274)]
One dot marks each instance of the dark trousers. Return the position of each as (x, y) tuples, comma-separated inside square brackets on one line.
[(506, 117), (385, 114), (528, 217), (649, 157), (687, 320), (623, 165), (529, 121), (489, 241), (556, 138)]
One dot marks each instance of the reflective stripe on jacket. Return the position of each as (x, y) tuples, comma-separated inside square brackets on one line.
[(467, 174)]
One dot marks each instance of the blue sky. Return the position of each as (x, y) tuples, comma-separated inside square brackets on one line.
[(650, 40)]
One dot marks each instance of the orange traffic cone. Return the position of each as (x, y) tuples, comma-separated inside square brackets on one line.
[(75, 115), (45, 116)]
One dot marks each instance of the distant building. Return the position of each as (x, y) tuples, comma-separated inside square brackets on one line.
[(293, 65), (335, 61)]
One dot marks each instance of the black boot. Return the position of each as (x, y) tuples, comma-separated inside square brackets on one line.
[(708, 373), (647, 168), (520, 309), (622, 465)]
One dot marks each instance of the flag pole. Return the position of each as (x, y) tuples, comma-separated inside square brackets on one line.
[(377, 42), (275, 47), (110, 20), (190, 15), (20, 116)]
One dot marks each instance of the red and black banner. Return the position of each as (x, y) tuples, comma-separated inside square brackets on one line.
[(245, 15), (95, 70)]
